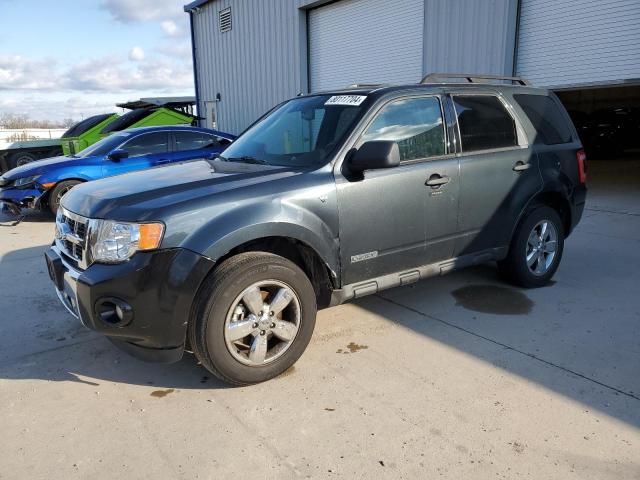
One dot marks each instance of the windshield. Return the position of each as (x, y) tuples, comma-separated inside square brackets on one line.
[(104, 146), (300, 133)]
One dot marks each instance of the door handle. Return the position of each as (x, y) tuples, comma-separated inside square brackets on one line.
[(164, 160), (521, 166), (436, 180)]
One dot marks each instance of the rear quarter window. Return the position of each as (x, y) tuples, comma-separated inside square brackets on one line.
[(546, 117)]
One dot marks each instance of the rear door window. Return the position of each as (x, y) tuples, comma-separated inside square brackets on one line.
[(415, 124), (194, 141), (147, 144), (484, 123), (546, 117)]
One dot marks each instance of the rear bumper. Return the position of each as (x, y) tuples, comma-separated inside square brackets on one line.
[(577, 207), (155, 290)]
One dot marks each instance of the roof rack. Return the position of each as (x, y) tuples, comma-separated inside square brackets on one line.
[(472, 78)]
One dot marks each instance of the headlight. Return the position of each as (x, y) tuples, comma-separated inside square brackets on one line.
[(116, 242), (25, 181)]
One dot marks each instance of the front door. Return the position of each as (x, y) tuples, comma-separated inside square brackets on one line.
[(145, 151), (498, 172), (387, 216)]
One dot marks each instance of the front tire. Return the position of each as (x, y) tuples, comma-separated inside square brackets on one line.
[(536, 249), (253, 318), (58, 192)]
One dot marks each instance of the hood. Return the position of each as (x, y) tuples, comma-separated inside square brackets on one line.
[(145, 195), (40, 166)]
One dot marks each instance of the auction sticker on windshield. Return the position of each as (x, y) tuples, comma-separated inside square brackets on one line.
[(350, 100)]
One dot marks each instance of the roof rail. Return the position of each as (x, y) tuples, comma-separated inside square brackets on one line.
[(471, 78), (365, 85)]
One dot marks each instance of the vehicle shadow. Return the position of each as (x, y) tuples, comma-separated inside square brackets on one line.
[(544, 336)]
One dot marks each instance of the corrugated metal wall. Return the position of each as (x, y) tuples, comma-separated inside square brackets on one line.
[(254, 66), (365, 41), (579, 42), (469, 36), (263, 59)]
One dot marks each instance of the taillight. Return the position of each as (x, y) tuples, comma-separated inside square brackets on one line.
[(582, 166)]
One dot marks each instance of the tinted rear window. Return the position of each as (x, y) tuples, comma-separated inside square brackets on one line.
[(128, 119), (546, 117), (86, 124), (484, 123)]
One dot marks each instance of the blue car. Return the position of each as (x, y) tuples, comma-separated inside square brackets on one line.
[(42, 184)]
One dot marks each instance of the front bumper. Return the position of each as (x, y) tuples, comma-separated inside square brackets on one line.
[(20, 198), (159, 287)]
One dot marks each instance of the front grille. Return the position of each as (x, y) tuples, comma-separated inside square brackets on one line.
[(71, 236)]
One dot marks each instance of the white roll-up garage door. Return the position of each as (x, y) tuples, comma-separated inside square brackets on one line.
[(365, 41), (564, 43)]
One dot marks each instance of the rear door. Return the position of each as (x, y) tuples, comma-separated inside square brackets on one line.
[(499, 173), (387, 216), (145, 151)]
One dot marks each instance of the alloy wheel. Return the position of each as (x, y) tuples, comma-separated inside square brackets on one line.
[(262, 323), (541, 247)]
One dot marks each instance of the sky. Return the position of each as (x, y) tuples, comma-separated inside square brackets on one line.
[(75, 58)]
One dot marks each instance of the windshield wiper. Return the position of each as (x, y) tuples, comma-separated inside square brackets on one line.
[(247, 159)]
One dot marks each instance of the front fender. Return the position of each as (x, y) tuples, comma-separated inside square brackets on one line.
[(238, 226)]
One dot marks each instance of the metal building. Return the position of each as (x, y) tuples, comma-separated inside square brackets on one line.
[(250, 55)]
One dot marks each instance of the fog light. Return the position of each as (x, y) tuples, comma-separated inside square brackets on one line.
[(114, 311)]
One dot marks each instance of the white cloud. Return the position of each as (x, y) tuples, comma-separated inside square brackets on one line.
[(171, 29), (17, 72), (180, 50), (51, 89), (106, 74), (129, 11), (136, 54), (110, 75)]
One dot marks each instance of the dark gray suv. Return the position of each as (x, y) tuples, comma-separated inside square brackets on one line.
[(328, 197)]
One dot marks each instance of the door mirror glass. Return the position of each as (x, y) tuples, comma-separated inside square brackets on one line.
[(375, 155), (117, 155)]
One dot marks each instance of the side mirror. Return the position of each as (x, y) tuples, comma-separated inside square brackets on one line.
[(117, 155), (375, 155)]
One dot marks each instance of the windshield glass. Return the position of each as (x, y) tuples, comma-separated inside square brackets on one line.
[(300, 133), (104, 146)]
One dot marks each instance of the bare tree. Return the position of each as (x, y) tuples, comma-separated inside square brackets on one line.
[(19, 121)]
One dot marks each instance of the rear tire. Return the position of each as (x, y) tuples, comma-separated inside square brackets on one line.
[(536, 249), (253, 318), (58, 192)]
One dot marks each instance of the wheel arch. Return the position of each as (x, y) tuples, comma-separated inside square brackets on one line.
[(318, 259), (551, 198), (44, 199), (318, 271)]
